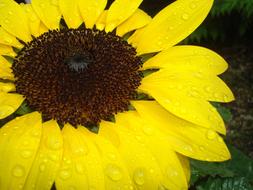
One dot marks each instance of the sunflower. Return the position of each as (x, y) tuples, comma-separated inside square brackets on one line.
[(114, 104)]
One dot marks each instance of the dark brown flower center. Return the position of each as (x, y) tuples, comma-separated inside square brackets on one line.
[(78, 76)]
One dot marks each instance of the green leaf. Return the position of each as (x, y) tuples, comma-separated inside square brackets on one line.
[(23, 109), (238, 183), (225, 112), (240, 166)]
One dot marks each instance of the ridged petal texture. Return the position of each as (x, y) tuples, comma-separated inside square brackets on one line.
[(119, 11), (171, 25), (13, 19), (145, 148)]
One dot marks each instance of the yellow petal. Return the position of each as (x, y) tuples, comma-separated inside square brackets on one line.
[(119, 11), (91, 11), (81, 167), (48, 12), (42, 29), (194, 110), (13, 19), (172, 24), (70, 12), (34, 21), (184, 137), (106, 130), (19, 141), (142, 167), (136, 21), (9, 103), (198, 85), (5, 69), (8, 39), (188, 58), (168, 161), (46, 163), (7, 87), (7, 50), (186, 166), (100, 23), (115, 170)]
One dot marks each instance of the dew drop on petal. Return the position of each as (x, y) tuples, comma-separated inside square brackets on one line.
[(139, 176), (65, 174), (54, 2), (208, 89), (26, 153), (42, 167), (18, 171), (53, 144), (193, 5), (185, 16), (113, 172), (225, 98), (148, 130), (201, 148), (79, 168), (211, 134), (171, 173)]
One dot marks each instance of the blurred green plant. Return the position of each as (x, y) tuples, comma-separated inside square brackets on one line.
[(235, 174), (229, 21)]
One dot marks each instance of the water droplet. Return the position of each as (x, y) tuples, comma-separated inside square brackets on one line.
[(53, 157), (139, 176), (138, 137), (111, 156), (198, 75), (193, 5), (79, 168), (171, 28), (148, 130), (113, 172), (33, 18), (188, 148), (211, 134), (208, 89), (8, 40), (159, 43), (65, 174), (172, 173), (161, 187), (18, 171), (35, 133), (10, 13), (71, 188), (26, 153), (68, 161), (201, 148), (42, 167), (185, 16), (216, 95), (42, 5), (25, 143), (5, 134), (53, 143), (225, 98), (54, 2)]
